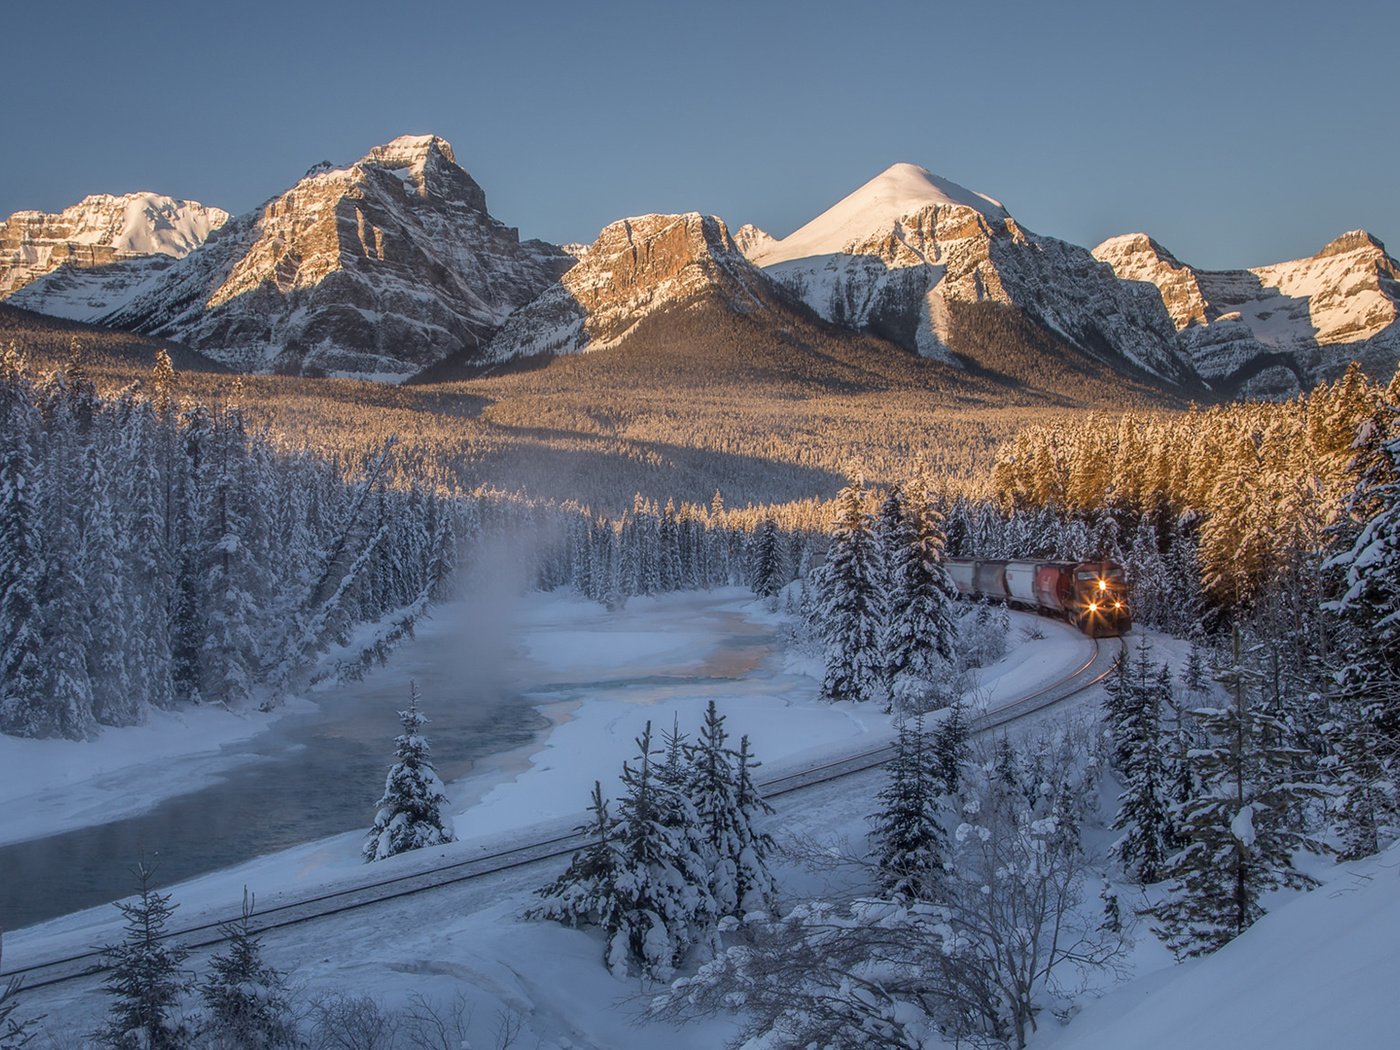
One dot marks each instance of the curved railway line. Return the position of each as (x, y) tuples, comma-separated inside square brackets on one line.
[(1106, 655)]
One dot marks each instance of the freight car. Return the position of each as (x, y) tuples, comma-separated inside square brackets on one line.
[(1092, 595)]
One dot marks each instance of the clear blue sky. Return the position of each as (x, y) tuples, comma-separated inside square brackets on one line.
[(1236, 133)]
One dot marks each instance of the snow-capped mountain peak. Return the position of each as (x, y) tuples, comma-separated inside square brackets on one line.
[(899, 191), (99, 230)]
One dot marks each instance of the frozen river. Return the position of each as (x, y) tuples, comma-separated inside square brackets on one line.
[(483, 677)]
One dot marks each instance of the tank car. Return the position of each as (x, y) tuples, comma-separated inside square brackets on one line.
[(1092, 595)]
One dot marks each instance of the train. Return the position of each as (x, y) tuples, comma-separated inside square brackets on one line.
[(1091, 595)]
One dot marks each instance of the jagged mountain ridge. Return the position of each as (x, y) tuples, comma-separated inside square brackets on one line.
[(378, 269), (897, 255), (637, 265), (63, 263), (1274, 329), (393, 264)]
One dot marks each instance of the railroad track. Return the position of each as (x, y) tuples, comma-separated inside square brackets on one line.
[(83, 964)]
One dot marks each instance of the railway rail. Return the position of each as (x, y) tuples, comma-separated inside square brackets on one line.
[(46, 973)]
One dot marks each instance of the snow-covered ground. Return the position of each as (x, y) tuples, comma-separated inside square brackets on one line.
[(601, 677), (1314, 973)]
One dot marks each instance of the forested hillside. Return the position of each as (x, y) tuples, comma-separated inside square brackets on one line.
[(153, 553)]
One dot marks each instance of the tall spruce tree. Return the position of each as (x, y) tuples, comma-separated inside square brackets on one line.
[(1144, 808), (766, 575), (1368, 700), (908, 841), (22, 700), (410, 812), (920, 633), (851, 605), (1242, 828), (951, 747), (754, 884), (729, 812)]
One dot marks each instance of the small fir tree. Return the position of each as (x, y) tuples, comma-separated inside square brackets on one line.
[(411, 812), (587, 893), (246, 1000), (145, 980), (641, 881)]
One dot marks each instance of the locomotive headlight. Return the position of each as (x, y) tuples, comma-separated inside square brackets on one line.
[(1103, 585), (1093, 606), (1118, 605)]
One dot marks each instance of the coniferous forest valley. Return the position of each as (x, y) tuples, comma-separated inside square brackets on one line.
[(901, 629)]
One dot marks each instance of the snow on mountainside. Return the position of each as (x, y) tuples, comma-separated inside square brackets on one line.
[(1275, 329), (76, 248), (635, 267), (899, 254), (378, 269)]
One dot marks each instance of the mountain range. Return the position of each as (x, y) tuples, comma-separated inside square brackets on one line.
[(392, 267)]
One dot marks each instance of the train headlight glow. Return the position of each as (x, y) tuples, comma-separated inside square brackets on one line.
[(1118, 605), (1093, 606), (1103, 585)]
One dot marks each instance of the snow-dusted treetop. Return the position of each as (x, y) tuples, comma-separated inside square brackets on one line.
[(899, 190)]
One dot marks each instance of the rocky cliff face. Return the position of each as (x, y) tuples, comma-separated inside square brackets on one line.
[(894, 257), (635, 267), (1275, 329), (77, 247), (378, 269)]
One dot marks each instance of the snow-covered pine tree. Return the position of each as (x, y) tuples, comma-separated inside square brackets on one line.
[(145, 979), (411, 812), (920, 636), (246, 1000), (1241, 830), (22, 701), (728, 807), (1144, 809), (950, 747), (907, 840), (753, 881), (587, 893), (1369, 607), (851, 603), (642, 881), (766, 576), (669, 562)]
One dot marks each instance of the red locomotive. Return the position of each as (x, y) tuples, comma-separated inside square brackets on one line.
[(1092, 595)]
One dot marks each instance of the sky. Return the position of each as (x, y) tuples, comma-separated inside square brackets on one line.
[(1236, 133)]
